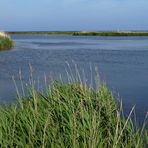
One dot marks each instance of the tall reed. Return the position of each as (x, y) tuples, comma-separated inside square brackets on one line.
[(69, 114), (5, 41)]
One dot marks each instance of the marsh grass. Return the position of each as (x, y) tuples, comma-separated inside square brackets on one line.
[(5, 41), (70, 114), (112, 33), (86, 33)]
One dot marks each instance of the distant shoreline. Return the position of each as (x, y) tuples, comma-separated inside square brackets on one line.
[(85, 33)]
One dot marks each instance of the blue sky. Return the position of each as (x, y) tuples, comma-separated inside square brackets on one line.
[(91, 15)]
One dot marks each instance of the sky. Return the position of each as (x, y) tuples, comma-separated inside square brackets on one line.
[(73, 15)]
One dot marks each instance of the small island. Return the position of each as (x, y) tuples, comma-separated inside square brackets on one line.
[(5, 41)]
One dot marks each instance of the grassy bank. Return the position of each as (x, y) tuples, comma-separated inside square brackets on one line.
[(5, 41), (110, 33), (69, 115), (81, 33)]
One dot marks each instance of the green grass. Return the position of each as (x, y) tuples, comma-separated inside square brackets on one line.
[(5, 43), (110, 33), (81, 33), (69, 115)]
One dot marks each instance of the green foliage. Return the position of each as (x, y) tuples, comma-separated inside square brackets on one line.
[(110, 33), (5, 43), (79, 33), (69, 115)]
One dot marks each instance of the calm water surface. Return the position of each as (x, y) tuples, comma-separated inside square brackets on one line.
[(122, 63)]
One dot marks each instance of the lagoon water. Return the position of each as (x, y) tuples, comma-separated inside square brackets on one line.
[(122, 64)]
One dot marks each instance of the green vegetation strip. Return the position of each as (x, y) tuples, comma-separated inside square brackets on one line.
[(5, 43), (69, 115), (73, 33)]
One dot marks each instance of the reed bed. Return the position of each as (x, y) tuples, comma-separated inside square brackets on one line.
[(86, 33), (70, 114), (5, 41)]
